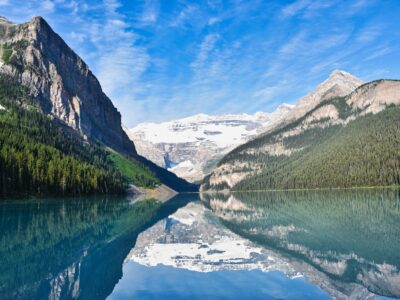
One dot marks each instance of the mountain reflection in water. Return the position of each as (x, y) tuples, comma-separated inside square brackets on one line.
[(346, 242), (71, 248), (292, 245)]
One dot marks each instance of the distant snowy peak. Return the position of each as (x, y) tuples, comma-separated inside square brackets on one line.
[(189, 147), (223, 130)]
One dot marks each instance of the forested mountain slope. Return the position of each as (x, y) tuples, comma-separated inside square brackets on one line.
[(61, 86), (60, 81), (38, 157), (347, 141)]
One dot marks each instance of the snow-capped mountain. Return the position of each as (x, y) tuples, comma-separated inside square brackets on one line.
[(191, 146), (195, 239)]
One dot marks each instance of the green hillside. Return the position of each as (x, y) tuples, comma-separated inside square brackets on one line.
[(365, 152), (133, 170), (38, 157)]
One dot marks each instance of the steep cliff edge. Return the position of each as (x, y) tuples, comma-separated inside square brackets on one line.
[(36, 57), (60, 81)]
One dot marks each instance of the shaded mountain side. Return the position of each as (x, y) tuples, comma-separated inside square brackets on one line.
[(37, 157), (167, 177), (363, 153), (60, 81), (63, 86), (342, 142)]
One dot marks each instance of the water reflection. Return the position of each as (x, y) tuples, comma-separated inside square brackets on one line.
[(71, 248), (191, 255), (346, 242), (293, 245)]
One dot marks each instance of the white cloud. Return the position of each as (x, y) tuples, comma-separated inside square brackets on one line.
[(369, 34), (294, 44), (111, 6), (3, 2), (206, 46), (122, 68), (48, 5), (306, 8), (295, 8), (183, 16), (304, 45), (213, 21), (381, 51), (150, 11), (77, 37)]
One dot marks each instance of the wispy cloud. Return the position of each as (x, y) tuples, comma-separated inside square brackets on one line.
[(161, 60), (184, 15), (206, 46), (378, 52), (306, 8), (150, 11), (295, 8), (369, 34)]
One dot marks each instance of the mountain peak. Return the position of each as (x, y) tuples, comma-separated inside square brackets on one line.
[(61, 82), (344, 77), (4, 20), (338, 84), (41, 24), (337, 72), (38, 19)]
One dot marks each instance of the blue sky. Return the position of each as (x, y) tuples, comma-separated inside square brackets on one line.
[(162, 59)]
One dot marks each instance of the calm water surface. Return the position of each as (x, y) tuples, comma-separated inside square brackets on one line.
[(276, 245)]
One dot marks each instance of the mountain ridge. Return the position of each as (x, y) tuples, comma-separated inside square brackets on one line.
[(61, 83), (191, 146), (338, 84), (295, 153)]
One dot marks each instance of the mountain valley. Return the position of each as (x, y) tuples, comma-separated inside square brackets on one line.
[(192, 146)]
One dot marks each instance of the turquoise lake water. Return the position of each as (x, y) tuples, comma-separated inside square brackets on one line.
[(270, 245)]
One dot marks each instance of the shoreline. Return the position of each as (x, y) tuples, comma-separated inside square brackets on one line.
[(303, 189)]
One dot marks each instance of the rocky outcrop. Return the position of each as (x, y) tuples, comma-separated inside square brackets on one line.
[(375, 96), (338, 84), (192, 146), (60, 81)]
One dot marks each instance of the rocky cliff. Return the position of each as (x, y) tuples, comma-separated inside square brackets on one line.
[(338, 84), (60, 81)]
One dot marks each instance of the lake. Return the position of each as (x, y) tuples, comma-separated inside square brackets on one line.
[(342, 244)]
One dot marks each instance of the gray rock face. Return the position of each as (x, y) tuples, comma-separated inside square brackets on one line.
[(338, 84), (60, 81)]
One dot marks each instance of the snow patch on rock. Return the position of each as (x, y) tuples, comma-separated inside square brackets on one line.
[(189, 147)]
